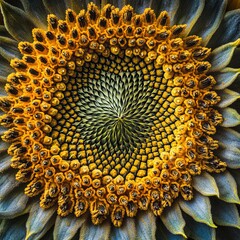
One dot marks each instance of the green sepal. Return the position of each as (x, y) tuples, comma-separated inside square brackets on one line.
[(95, 232), (227, 187), (225, 214), (221, 56), (67, 227), (126, 231), (199, 208), (228, 97), (16, 21), (205, 184), (199, 231), (146, 225), (231, 118), (39, 221)]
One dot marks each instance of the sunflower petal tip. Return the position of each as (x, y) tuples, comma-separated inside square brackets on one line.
[(213, 225), (183, 235), (238, 202), (237, 42)]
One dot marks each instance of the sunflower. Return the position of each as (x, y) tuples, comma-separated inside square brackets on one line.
[(119, 119)]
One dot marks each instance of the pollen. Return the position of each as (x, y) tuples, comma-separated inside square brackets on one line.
[(111, 112)]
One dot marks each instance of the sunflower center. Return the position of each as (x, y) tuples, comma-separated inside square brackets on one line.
[(110, 112), (111, 115)]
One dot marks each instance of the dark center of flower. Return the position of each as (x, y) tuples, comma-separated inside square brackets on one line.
[(110, 112), (114, 116)]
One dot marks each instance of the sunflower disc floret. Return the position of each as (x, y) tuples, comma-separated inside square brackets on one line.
[(111, 111)]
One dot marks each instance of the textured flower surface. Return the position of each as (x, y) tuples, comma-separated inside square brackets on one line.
[(119, 119)]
